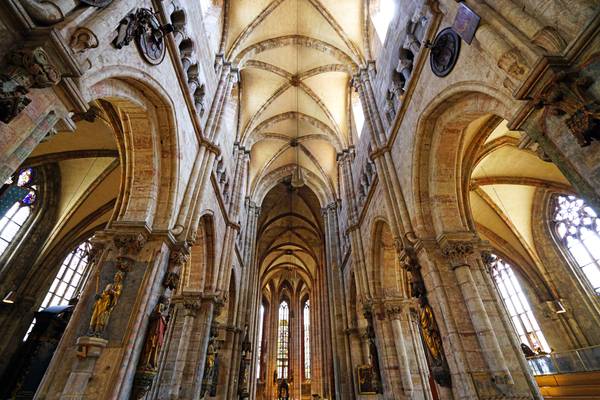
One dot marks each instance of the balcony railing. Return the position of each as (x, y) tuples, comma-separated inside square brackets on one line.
[(563, 362)]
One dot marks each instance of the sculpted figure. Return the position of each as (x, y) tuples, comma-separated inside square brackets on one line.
[(105, 303), (155, 338)]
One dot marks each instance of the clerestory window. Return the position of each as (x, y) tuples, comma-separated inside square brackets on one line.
[(283, 338)]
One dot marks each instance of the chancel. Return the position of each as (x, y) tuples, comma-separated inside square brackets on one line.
[(299, 199)]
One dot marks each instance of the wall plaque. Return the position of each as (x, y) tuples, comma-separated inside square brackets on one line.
[(466, 23)]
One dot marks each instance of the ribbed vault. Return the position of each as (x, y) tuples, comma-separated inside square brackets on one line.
[(296, 59)]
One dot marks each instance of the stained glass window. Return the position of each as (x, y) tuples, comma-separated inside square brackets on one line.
[(522, 318), (283, 338), (69, 281), (18, 196), (306, 320), (578, 228)]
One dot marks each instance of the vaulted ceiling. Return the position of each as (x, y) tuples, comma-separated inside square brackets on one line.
[(296, 59)]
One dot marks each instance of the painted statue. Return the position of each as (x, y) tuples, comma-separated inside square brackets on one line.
[(431, 336), (105, 304), (155, 337)]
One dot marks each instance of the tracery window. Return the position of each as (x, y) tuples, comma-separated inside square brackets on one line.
[(306, 321), (577, 226), (283, 340), (382, 17), (69, 281), (19, 195), (522, 318)]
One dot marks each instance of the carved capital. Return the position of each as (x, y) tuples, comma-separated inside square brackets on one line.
[(457, 252), (393, 310), (191, 304), (130, 243)]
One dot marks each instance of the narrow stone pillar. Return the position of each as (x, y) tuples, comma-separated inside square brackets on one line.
[(336, 293), (190, 306), (394, 311)]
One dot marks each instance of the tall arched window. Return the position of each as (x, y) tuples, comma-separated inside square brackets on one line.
[(578, 229), (283, 340), (516, 304), (357, 113), (306, 321), (382, 16), (261, 317), (18, 195), (69, 281)]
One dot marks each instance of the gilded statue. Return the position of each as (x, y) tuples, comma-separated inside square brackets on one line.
[(431, 336), (105, 304), (155, 337)]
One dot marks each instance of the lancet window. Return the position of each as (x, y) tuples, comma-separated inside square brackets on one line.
[(382, 17), (519, 310), (577, 227), (307, 355), (283, 340)]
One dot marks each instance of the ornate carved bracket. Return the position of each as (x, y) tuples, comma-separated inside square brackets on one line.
[(26, 69)]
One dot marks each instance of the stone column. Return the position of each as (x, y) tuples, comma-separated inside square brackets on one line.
[(189, 307), (413, 366), (458, 254), (210, 308)]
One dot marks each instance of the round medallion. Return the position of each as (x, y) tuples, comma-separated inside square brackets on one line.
[(444, 52), (96, 3), (150, 38)]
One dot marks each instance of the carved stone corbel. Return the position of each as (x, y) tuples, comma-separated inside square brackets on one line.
[(26, 69), (566, 95)]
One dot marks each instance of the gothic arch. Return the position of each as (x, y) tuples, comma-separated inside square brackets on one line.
[(199, 272), (438, 175), (385, 279), (148, 141)]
